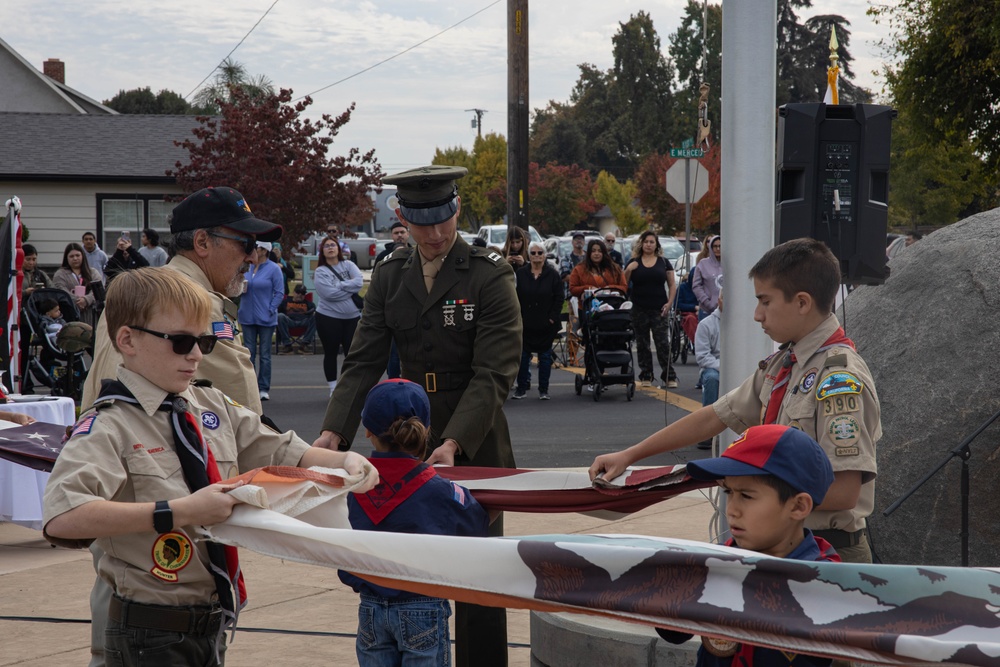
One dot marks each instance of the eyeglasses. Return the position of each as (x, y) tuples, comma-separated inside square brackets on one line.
[(330, 245), (609, 240), (249, 242), (536, 252), (716, 246), (183, 343)]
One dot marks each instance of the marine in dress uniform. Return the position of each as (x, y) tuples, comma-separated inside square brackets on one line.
[(831, 396), (456, 321)]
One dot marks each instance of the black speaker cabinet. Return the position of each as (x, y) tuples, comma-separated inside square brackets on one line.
[(833, 183)]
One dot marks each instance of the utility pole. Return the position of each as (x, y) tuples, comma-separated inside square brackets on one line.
[(478, 123), (517, 113)]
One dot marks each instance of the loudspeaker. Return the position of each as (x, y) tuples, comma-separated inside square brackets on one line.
[(833, 183)]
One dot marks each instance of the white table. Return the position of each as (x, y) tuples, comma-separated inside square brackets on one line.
[(21, 488)]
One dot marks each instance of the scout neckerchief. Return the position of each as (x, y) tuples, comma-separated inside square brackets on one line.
[(200, 469), (399, 478), (781, 382)]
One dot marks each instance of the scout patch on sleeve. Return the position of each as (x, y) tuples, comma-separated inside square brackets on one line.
[(840, 405), (838, 384), (722, 648), (171, 553), (232, 402), (808, 380), (84, 426), (223, 330), (844, 431)]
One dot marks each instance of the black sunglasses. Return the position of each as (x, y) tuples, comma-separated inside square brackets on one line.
[(536, 252), (184, 343), (249, 242)]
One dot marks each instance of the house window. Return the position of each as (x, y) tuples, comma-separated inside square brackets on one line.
[(122, 213)]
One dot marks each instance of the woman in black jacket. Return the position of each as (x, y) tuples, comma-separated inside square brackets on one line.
[(540, 291)]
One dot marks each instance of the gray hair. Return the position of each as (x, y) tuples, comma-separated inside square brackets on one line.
[(536, 244), (184, 241)]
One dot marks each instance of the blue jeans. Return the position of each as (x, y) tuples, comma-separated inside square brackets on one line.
[(709, 386), (409, 633), (259, 338), (544, 371), (285, 322)]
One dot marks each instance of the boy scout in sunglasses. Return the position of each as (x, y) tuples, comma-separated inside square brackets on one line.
[(142, 470)]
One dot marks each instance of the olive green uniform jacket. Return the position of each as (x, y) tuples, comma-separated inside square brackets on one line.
[(462, 343)]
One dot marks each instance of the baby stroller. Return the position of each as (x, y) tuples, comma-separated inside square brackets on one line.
[(607, 340), (63, 371)]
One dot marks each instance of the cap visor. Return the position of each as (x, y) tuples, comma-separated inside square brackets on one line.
[(263, 230), (429, 216), (708, 469)]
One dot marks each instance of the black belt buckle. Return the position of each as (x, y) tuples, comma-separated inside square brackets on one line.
[(430, 382)]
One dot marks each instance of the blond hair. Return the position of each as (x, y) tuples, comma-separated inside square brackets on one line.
[(135, 296)]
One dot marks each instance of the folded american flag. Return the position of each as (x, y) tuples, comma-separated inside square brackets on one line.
[(35, 446)]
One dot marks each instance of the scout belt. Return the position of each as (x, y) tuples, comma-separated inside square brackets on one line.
[(199, 621)]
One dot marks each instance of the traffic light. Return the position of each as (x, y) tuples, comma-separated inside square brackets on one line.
[(833, 183)]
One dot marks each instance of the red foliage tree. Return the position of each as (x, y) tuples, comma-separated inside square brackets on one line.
[(662, 211), (281, 162), (559, 197)]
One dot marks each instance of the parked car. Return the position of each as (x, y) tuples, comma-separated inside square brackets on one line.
[(496, 235), (364, 250), (466, 236), (672, 249)]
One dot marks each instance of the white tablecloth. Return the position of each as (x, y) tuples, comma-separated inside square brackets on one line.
[(21, 488)]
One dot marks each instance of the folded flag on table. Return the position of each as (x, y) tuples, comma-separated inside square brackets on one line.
[(887, 614), (35, 445)]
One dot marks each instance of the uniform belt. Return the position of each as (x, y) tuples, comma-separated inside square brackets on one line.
[(841, 539), (435, 382), (199, 621)]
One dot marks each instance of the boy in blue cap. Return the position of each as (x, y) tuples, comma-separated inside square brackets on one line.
[(396, 627), (772, 476)]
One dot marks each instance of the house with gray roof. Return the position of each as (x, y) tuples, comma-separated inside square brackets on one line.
[(80, 166)]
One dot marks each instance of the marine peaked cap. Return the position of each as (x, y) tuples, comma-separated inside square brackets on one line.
[(426, 195)]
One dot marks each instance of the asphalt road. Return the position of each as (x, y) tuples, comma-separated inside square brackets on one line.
[(566, 431)]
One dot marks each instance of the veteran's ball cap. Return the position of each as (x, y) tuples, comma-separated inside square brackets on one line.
[(426, 195), (221, 207), (391, 399), (782, 451)]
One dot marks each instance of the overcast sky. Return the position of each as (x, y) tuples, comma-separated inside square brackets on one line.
[(405, 108)]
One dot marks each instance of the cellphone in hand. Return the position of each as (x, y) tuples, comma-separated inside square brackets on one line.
[(126, 236)]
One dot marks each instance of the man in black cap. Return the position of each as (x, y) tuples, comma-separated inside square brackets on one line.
[(214, 236), (453, 312), (572, 258)]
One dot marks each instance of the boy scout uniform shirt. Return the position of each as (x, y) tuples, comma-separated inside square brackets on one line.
[(228, 367), (127, 454), (831, 397), (461, 342)]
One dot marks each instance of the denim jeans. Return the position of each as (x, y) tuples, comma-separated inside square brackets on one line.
[(258, 338), (544, 371), (412, 632), (285, 323), (709, 386)]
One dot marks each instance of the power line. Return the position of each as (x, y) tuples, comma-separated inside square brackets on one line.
[(234, 48), (393, 57)]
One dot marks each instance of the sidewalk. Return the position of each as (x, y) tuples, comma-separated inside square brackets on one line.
[(40, 581)]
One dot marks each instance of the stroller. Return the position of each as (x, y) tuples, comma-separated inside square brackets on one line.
[(47, 364), (607, 340)]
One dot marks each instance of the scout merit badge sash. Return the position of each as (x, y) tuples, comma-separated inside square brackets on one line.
[(399, 479), (200, 469), (781, 382)]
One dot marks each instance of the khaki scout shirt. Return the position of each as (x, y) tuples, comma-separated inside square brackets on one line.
[(830, 396), (127, 454), (228, 366), (462, 342)]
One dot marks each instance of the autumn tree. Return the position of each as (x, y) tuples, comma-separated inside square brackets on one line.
[(560, 197), (487, 165), (620, 199), (662, 211), (281, 161)]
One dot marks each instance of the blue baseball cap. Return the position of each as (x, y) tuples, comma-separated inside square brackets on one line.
[(391, 399), (782, 451)]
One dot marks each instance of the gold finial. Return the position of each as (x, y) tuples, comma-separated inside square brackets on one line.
[(833, 46)]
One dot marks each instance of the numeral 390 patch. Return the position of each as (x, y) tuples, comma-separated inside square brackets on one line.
[(842, 404)]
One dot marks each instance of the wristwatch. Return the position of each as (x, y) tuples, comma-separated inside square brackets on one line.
[(163, 517)]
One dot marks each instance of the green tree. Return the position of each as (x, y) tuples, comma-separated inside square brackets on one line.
[(487, 165), (556, 136), (693, 68), (281, 161), (817, 51), (231, 76), (143, 101), (946, 77), (620, 198)]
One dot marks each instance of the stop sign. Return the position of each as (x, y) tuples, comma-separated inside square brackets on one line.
[(675, 180)]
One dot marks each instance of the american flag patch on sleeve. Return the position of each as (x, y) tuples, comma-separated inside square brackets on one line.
[(223, 330), (459, 493), (83, 426)]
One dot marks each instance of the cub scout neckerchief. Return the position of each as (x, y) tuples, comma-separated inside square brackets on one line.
[(200, 469), (781, 382), (399, 478)]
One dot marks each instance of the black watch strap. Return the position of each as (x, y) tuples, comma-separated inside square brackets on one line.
[(163, 517)]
